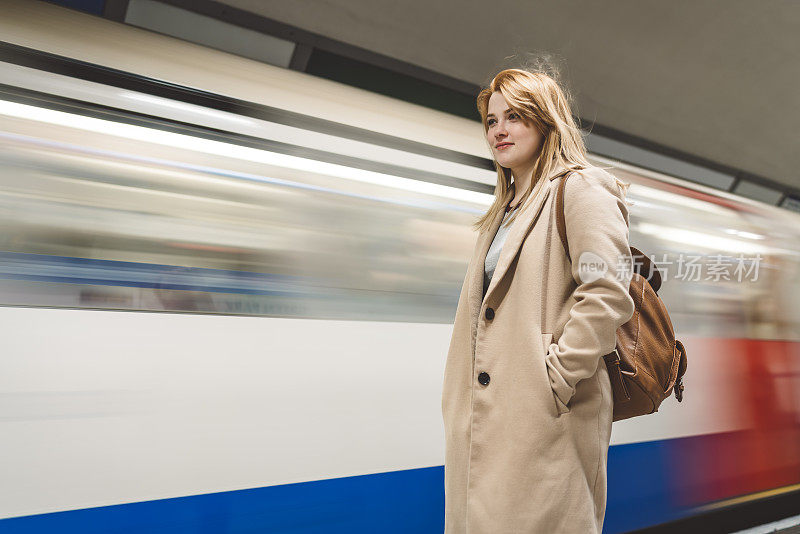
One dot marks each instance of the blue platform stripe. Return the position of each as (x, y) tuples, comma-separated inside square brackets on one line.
[(394, 502), (639, 490), (640, 494)]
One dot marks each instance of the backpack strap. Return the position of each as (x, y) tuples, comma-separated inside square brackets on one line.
[(560, 220), (642, 264), (612, 359)]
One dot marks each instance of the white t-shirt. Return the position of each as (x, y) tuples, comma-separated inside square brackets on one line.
[(494, 250)]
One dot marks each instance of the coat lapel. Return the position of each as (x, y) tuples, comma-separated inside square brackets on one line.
[(478, 271), (516, 236)]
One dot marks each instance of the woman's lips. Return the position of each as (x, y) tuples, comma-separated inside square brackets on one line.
[(504, 145)]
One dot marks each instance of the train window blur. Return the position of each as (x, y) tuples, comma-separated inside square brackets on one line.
[(108, 215), (97, 220), (675, 228)]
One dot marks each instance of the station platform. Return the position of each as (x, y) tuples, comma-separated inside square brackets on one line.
[(790, 525)]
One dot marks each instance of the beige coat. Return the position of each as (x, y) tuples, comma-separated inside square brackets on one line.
[(527, 452)]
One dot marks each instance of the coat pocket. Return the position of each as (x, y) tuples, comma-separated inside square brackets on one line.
[(546, 340)]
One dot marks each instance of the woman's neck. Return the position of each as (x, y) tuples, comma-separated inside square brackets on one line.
[(522, 180)]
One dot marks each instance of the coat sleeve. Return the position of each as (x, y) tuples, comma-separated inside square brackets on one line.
[(596, 218)]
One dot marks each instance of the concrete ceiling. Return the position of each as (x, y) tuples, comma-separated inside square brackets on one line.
[(717, 80)]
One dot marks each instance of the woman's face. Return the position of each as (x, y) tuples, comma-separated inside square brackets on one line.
[(514, 143)]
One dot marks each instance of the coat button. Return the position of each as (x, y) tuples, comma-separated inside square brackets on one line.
[(489, 313), (483, 378)]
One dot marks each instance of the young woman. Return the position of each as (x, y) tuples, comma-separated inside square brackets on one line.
[(526, 399)]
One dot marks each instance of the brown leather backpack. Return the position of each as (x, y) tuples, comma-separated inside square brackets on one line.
[(648, 361)]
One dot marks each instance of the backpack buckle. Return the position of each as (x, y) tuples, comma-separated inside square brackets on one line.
[(678, 390)]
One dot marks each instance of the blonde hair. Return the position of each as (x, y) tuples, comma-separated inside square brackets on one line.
[(542, 103)]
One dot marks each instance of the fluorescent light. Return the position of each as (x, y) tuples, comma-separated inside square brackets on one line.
[(207, 146), (188, 108), (700, 239), (742, 233)]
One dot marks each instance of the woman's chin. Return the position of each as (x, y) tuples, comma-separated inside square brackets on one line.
[(505, 162)]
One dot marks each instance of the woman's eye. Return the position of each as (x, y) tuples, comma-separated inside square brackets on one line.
[(490, 122), (513, 116)]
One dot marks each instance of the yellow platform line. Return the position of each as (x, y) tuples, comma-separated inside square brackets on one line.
[(749, 497)]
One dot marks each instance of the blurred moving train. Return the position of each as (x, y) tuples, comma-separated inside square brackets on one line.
[(228, 289)]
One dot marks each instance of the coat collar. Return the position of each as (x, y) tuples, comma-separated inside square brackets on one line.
[(516, 236)]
